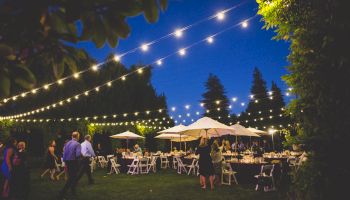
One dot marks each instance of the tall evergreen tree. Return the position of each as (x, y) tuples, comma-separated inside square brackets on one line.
[(215, 100), (258, 107), (276, 104)]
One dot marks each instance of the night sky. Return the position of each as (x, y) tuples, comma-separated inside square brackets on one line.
[(232, 56)]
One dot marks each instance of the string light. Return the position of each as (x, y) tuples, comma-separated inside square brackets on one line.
[(220, 16), (159, 62), (140, 71), (178, 33), (182, 52), (116, 58), (109, 84), (210, 40), (234, 99), (144, 47), (244, 24), (46, 87), (76, 75)]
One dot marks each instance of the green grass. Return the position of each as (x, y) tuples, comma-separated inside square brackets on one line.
[(163, 185)]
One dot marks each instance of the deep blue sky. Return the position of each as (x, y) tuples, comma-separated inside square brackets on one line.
[(232, 56)]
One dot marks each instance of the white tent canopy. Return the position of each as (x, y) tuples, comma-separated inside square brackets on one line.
[(184, 138), (175, 129), (257, 131), (168, 136), (126, 135), (242, 131), (207, 127)]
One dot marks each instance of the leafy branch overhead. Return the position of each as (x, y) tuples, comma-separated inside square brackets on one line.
[(37, 38)]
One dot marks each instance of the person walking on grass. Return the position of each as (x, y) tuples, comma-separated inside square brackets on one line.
[(205, 163), (71, 156), (216, 156), (87, 152)]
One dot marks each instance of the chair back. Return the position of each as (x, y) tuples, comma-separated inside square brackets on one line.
[(267, 169)]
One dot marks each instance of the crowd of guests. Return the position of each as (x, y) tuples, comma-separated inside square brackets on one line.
[(15, 176)]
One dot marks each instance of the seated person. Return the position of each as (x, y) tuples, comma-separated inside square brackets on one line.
[(175, 150), (137, 149), (128, 153)]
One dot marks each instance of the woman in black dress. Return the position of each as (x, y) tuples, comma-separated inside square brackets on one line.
[(206, 167), (21, 176), (51, 159)]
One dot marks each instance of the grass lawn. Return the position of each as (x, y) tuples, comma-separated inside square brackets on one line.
[(163, 185)]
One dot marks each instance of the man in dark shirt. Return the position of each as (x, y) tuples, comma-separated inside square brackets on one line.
[(71, 155)]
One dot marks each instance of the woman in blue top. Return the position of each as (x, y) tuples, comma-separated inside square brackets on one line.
[(7, 165)]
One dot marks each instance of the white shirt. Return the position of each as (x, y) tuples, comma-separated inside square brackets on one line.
[(86, 149)]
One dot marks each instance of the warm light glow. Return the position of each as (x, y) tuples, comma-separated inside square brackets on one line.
[(46, 87), (123, 78), (60, 82), (234, 99), (34, 91), (251, 96), (270, 93), (178, 33), (271, 131), (140, 71), (210, 40), (94, 67), (86, 93), (97, 89), (23, 94), (76, 75), (159, 62), (116, 58), (144, 47), (76, 97), (217, 102), (182, 52), (109, 84), (220, 16), (201, 104), (244, 24)]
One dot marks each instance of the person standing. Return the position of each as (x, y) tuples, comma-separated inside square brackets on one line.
[(216, 156), (51, 159), (71, 155), (87, 152), (7, 166), (21, 176), (205, 163)]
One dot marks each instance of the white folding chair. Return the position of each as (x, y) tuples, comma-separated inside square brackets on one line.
[(114, 167), (143, 165), (266, 172), (228, 173), (134, 167), (109, 157), (93, 164), (153, 164), (192, 167), (180, 166), (102, 161), (174, 163), (61, 166), (164, 162)]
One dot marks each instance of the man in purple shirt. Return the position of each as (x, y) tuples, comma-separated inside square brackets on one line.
[(71, 156)]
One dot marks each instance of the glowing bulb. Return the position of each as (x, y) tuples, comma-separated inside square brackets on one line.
[(123, 78), (220, 16), (251, 96), (187, 107), (109, 84), (182, 52), (144, 47), (46, 87), (14, 98), (201, 104), (116, 58), (60, 82), (23, 94), (76, 75), (242, 104), (173, 109), (244, 24), (86, 93), (178, 33), (270, 93), (97, 89), (76, 97), (94, 67), (217, 102), (140, 71), (210, 40), (159, 62), (234, 99), (34, 91), (5, 100)]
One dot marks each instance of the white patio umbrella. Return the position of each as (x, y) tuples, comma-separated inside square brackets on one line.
[(168, 136), (242, 131), (208, 127), (175, 130), (126, 135), (185, 138), (257, 131)]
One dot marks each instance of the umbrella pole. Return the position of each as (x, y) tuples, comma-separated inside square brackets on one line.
[(180, 143), (127, 143), (171, 145), (185, 146), (250, 141), (236, 146)]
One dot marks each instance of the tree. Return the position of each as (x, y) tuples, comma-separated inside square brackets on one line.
[(318, 33), (37, 38), (215, 100), (258, 106), (277, 105)]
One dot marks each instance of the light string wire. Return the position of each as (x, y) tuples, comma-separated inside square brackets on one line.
[(97, 66), (182, 51)]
